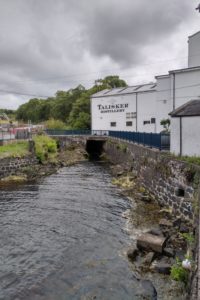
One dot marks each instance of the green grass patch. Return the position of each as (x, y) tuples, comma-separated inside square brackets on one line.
[(178, 273), (45, 148), (17, 149), (190, 159)]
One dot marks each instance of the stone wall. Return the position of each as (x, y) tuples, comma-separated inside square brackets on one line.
[(10, 166), (171, 182)]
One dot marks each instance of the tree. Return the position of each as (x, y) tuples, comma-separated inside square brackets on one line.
[(71, 107), (165, 123), (112, 81)]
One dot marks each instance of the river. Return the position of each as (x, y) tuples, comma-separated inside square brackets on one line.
[(65, 237)]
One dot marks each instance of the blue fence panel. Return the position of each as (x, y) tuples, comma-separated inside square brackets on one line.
[(68, 132), (160, 141)]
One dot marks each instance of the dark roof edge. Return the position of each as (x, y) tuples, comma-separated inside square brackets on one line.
[(184, 70), (194, 34), (149, 91), (175, 112)]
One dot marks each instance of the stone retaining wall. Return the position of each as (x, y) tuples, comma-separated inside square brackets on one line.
[(171, 182), (10, 166)]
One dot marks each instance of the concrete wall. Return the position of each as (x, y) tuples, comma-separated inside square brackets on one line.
[(165, 178), (190, 138), (194, 50)]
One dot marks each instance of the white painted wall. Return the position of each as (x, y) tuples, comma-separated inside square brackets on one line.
[(163, 100), (146, 111), (187, 85), (190, 136), (101, 120), (194, 50), (175, 136)]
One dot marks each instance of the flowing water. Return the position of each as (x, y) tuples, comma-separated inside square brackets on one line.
[(64, 237)]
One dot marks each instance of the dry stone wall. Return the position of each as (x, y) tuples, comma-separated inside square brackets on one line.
[(10, 166), (171, 182)]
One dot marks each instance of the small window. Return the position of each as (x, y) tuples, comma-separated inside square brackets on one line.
[(146, 122), (128, 115), (133, 115), (153, 120), (113, 124), (129, 123)]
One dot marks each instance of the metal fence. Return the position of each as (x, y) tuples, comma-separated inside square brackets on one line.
[(6, 135), (160, 141), (67, 132)]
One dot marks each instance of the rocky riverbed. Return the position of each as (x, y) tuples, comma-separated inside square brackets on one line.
[(161, 241)]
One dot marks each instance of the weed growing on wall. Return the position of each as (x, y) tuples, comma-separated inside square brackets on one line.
[(45, 148), (122, 147), (178, 273)]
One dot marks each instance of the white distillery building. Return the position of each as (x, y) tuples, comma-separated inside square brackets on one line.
[(125, 109), (141, 108)]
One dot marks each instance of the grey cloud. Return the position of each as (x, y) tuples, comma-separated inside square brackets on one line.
[(122, 30), (44, 39)]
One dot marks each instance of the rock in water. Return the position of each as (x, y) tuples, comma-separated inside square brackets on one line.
[(146, 290), (151, 242), (132, 253), (163, 268)]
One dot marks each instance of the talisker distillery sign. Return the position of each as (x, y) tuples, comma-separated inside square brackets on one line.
[(112, 108)]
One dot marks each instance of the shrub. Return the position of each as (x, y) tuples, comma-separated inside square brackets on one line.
[(44, 146)]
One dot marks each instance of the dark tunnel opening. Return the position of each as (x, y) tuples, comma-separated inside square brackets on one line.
[(95, 148)]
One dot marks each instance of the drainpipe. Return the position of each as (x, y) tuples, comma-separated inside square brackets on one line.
[(181, 137), (174, 91), (136, 112)]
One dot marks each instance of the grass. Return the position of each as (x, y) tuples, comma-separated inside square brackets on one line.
[(17, 149)]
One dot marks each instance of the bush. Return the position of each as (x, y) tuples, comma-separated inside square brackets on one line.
[(44, 146), (55, 124)]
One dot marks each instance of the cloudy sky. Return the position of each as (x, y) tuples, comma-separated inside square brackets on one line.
[(48, 45)]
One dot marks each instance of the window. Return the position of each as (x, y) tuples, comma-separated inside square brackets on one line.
[(113, 124), (146, 122), (153, 120), (131, 115), (129, 123)]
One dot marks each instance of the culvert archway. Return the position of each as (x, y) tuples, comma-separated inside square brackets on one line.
[(95, 148)]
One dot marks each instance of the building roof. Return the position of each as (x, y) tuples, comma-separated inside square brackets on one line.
[(150, 87), (189, 109), (185, 70), (196, 33)]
